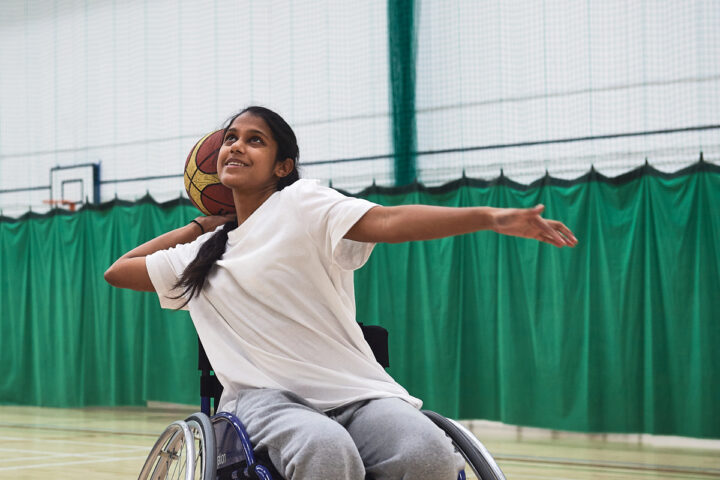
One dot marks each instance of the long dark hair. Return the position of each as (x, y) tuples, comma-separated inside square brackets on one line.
[(193, 277)]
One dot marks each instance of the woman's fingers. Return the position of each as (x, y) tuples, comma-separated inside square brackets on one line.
[(529, 223), (565, 232), (544, 237), (556, 233), (550, 232)]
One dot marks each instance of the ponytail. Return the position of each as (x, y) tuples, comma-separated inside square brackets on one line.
[(193, 277)]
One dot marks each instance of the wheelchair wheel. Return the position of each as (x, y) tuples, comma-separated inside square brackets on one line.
[(479, 464), (204, 441), (173, 455)]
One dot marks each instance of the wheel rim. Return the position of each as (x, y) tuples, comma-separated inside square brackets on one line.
[(490, 462), (199, 458), (173, 456), (479, 464)]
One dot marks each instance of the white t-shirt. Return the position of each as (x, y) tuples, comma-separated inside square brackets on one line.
[(278, 309)]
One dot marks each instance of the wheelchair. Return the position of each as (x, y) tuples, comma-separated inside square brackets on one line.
[(219, 448)]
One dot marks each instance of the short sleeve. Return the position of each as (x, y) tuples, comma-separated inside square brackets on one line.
[(330, 215), (165, 267)]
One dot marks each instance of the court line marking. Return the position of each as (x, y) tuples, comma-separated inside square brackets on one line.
[(611, 465), (608, 474), (60, 454), (78, 442), (604, 475), (77, 429), (64, 464), (536, 477), (552, 476)]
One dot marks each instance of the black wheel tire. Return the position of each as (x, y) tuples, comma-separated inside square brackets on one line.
[(207, 441)]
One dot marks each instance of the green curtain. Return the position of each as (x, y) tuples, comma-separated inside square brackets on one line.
[(619, 334), (68, 338), (402, 48)]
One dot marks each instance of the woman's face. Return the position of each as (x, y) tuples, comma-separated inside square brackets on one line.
[(247, 156)]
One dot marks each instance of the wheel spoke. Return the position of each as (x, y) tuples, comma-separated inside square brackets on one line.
[(185, 450)]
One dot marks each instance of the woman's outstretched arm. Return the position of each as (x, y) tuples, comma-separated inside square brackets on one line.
[(129, 271), (406, 223)]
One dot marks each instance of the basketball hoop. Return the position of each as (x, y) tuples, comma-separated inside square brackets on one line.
[(61, 203)]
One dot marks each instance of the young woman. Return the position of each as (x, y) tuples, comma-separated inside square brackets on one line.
[(271, 296)]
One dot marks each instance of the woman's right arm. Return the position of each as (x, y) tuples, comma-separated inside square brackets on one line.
[(129, 271)]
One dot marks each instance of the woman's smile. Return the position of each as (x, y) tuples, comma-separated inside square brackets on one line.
[(247, 155), (236, 163)]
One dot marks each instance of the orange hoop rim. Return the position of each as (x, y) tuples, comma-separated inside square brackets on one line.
[(67, 203)]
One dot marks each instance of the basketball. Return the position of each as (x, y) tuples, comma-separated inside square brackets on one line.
[(201, 181)]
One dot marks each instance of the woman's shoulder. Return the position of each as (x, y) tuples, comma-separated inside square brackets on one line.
[(303, 184), (310, 197), (310, 186), (307, 188)]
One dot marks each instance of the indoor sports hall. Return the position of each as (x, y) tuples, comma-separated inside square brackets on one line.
[(600, 361)]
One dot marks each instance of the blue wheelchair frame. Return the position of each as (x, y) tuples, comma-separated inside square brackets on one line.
[(234, 451)]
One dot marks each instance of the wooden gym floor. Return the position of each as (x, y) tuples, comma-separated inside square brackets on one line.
[(111, 444)]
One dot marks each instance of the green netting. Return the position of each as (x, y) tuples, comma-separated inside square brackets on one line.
[(619, 334)]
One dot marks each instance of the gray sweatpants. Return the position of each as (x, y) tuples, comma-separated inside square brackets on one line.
[(385, 438)]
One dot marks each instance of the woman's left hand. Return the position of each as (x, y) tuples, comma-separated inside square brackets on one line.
[(527, 223), (211, 222)]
